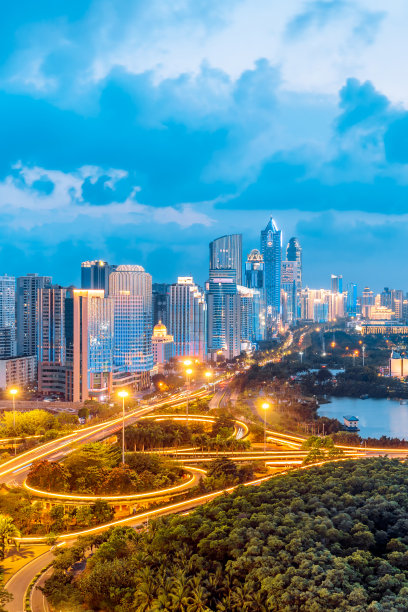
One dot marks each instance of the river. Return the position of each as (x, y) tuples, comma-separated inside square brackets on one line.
[(377, 417)]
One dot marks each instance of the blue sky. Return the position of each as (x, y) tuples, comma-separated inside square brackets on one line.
[(137, 131)]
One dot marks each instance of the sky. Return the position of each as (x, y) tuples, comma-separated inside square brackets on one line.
[(138, 131)]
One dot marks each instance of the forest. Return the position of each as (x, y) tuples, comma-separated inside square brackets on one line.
[(333, 537)]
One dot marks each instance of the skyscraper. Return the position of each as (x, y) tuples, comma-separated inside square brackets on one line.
[(224, 314), (7, 316), (290, 295), (252, 317), (255, 271), (95, 274), (89, 364), (352, 305), (336, 283), (26, 306), (187, 319), (160, 302), (226, 254), (294, 253), (271, 249), (367, 302), (51, 343), (131, 288)]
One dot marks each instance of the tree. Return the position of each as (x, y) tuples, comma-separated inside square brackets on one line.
[(8, 533), (102, 512), (48, 475)]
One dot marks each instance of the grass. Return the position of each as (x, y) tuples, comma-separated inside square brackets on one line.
[(16, 559)]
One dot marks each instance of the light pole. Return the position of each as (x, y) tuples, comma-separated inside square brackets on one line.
[(364, 349), (209, 375), (355, 354), (265, 406), (123, 394), (13, 393), (301, 356)]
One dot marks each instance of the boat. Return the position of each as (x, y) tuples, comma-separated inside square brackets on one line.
[(364, 396)]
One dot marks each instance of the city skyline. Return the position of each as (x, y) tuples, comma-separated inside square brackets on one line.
[(137, 134)]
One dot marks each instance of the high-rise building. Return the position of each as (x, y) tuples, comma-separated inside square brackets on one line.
[(7, 316), (95, 274), (163, 344), (352, 300), (252, 317), (224, 314), (26, 308), (336, 283), (255, 271), (271, 249), (89, 364), (131, 289), (294, 253), (289, 280), (187, 319), (367, 302), (226, 254), (321, 305), (160, 302), (51, 343)]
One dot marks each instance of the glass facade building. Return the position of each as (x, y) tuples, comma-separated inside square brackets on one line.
[(271, 249), (290, 294), (131, 289), (95, 274), (226, 254), (26, 308), (187, 319), (7, 316), (224, 314)]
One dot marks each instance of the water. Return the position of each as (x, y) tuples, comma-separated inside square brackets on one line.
[(377, 417)]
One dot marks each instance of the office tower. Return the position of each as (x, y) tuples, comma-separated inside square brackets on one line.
[(51, 347), (386, 297), (131, 289), (321, 305), (163, 344), (160, 302), (271, 249), (352, 303), (289, 280), (226, 254), (367, 302), (7, 316), (187, 319), (294, 253), (397, 301), (26, 307), (224, 314), (336, 283), (255, 271), (252, 318), (95, 274), (89, 328)]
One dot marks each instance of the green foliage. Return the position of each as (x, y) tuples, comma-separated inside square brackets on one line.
[(327, 538), (320, 449), (8, 533)]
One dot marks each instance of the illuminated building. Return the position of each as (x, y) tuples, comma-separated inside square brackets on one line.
[(51, 347), (7, 316), (255, 271), (89, 336), (321, 305), (226, 254), (352, 303), (367, 302), (131, 289), (294, 253), (26, 306), (95, 274), (289, 292), (162, 343), (224, 314), (398, 364), (252, 317), (271, 249), (187, 318), (381, 313), (17, 371), (336, 283)]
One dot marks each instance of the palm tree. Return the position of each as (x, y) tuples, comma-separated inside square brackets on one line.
[(8, 533)]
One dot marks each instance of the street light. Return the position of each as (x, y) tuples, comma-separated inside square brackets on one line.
[(13, 392), (364, 350), (210, 375), (123, 394), (355, 354), (301, 356), (266, 407)]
